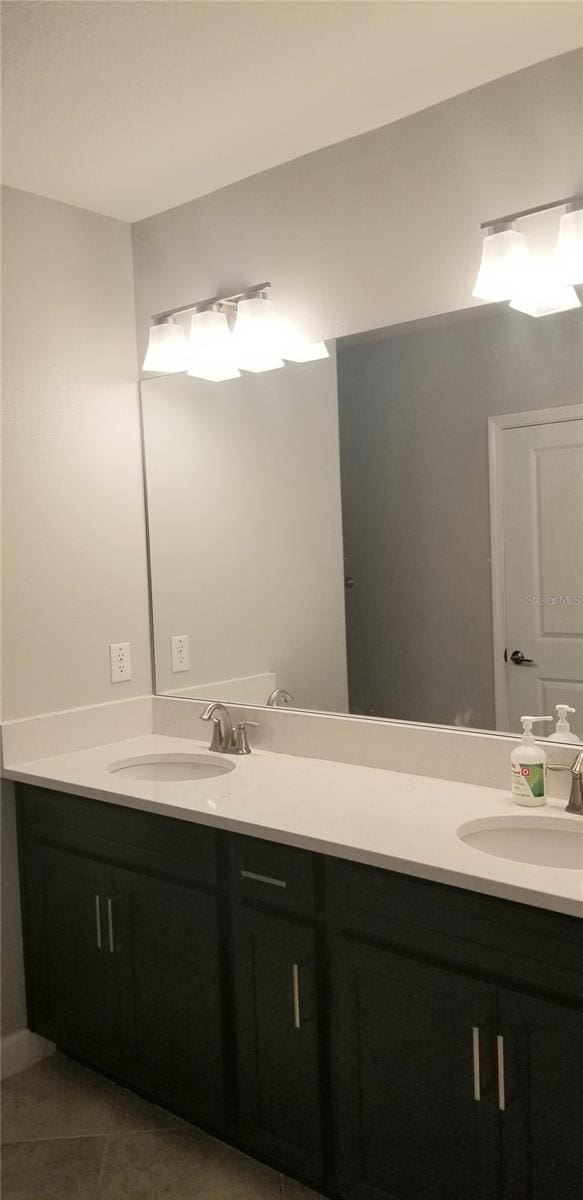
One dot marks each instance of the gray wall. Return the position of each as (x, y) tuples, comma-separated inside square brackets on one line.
[(414, 470), (382, 228)]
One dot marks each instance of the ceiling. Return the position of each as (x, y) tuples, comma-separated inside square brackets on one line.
[(130, 107)]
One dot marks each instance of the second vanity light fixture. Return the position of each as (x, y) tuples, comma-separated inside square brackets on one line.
[(228, 334), (533, 283)]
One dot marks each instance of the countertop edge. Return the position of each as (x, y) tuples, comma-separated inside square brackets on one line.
[(447, 876)]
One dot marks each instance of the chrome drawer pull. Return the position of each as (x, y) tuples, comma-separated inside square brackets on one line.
[(263, 878), (98, 921), (296, 989), (110, 926), (501, 1081), (476, 1054)]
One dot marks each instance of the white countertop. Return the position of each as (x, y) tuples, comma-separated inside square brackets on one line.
[(401, 822)]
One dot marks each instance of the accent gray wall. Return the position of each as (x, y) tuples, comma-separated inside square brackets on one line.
[(413, 411)]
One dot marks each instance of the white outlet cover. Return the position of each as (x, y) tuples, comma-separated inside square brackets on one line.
[(120, 662), (180, 653)]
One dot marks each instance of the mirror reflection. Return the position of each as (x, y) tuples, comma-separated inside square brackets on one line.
[(394, 531)]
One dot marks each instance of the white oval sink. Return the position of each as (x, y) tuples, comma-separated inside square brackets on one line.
[(171, 768), (540, 841)]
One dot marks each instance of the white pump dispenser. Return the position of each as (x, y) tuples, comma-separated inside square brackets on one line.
[(563, 732), (528, 767)]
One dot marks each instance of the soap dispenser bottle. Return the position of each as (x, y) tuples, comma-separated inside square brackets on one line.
[(563, 732), (528, 767)]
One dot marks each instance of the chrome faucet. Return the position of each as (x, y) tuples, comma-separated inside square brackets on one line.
[(227, 739), (575, 804), (279, 696)]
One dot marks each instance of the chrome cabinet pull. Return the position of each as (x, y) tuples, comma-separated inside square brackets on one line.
[(98, 921), (263, 878), (110, 925), (296, 991), (476, 1056), (501, 1079)]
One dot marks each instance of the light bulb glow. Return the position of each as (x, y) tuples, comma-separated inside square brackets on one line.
[(167, 349), (504, 258), (211, 347), (569, 248), (256, 336), (541, 293), (295, 347)]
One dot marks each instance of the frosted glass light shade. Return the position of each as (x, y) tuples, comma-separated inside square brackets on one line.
[(541, 293), (569, 249), (555, 299), (211, 348), (167, 349), (504, 258), (256, 336), (296, 348)]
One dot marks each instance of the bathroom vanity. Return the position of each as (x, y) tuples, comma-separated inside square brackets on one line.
[(377, 1035)]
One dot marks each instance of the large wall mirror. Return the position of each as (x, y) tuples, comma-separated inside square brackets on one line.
[(394, 531)]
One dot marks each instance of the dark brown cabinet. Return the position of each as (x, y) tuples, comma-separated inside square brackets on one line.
[(417, 1113), (278, 1050), (378, 1036), (167, 941), (79, 970), (541, 1064)]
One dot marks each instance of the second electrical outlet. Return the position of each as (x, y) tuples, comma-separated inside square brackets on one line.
[(180, 652)]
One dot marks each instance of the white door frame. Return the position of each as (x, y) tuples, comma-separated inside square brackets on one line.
[(496, 426)]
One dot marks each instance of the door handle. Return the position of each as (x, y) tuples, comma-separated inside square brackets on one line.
[(98, 921), (476, 1062), (501, 1073), (110, 925), (263, 878), (296, 994), (519, 659)]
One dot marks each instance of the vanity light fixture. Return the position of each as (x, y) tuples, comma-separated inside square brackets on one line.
[(296, 348), (210, 346), (256, 335), (540, 294), (504, 257), (533, 284), (167, 348), (228, 334), (569, 248)]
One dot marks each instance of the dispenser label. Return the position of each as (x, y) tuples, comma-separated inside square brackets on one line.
[(528, 779)]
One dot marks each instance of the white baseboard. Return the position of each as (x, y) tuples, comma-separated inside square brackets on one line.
[(20, 1050)]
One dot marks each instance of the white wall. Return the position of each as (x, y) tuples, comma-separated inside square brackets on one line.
[(73, 538), (246, 533), (384, 227), (73, 520)]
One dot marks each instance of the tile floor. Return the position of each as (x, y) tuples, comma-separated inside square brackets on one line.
[(69, 1134)]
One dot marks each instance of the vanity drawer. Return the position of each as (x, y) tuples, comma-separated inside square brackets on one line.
[(272, 874), (482, 933), (126, 835)]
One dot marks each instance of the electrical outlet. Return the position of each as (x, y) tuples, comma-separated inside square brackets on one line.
[(120, 662), (180, 652)]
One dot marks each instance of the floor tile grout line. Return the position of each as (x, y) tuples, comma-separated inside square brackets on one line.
[(106, 1144), (55, 1137)]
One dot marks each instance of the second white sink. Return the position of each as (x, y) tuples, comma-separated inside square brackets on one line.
[(170, 768), (543, 841)]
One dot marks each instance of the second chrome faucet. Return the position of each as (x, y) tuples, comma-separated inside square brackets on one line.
[(227, 738)]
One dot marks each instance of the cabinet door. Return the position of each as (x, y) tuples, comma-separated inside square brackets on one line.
[(541, 1068), (413, 1074), (167, 936), (277, 1040), (81, 970)]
